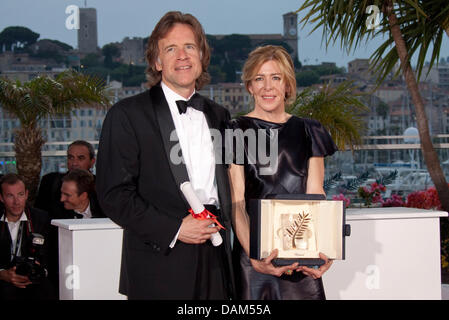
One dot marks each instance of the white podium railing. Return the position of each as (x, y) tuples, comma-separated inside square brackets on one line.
[(89, 259), (392, 253)]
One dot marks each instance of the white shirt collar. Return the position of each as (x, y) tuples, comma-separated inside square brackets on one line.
[(171, 95), (23, 217), (86, 213), (196, 145)]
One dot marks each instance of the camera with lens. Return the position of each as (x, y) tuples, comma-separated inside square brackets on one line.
[(28, 265)]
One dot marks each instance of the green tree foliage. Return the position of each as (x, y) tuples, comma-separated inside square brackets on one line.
[(410, 28), (228, 55), (230, 52), (310, 74), (64, 46), (91, 60), (110, 51), (307, 78), (339, 109), (17, 36), (50, 50), (382, 109), (37, 99), (103, 65)]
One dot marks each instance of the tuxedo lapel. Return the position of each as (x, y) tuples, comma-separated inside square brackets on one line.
[(5, 236), (167, 127), (221, 176), (5, 246)]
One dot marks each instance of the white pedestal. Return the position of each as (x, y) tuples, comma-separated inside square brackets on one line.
[(392, 253), (89, 259)]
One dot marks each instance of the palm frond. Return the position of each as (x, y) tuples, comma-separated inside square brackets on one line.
[(354, 184), (331, 181), (43, 96), (387, 179), (340, 110), (422, 23), (39, 98), (298, 227)]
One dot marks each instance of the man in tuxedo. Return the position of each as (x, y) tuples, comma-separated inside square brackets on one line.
[(166, 252), (18, 225), (78, 195), (80, 155)]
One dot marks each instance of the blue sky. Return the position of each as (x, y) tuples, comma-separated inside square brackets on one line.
[(118, 19)]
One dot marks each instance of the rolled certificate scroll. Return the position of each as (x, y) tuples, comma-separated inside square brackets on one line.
[(198, 208)]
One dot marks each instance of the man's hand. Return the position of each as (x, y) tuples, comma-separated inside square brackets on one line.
[(17, 280), (194, 231)]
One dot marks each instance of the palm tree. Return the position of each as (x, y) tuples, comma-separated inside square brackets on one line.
[(410, 25), (41, 97), (339, 110)]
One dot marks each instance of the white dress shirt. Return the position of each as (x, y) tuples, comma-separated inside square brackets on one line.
[(86, 213), (197, 149), (14, 229)]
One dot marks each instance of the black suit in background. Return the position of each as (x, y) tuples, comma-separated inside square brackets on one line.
[(49, 199), (138, 188), (49, 196), (95, 209), (40, 223), (2, 206)]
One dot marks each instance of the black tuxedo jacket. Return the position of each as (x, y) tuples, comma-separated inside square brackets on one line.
[(49, 199), (138, 188), (95, 209), (39, 224), (49, 196)]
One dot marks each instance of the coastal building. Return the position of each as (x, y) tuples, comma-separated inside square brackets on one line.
[(289, 35), (83, 123), (360, 68), (232, 96), (87, 33), (439, 75), (132, 51)]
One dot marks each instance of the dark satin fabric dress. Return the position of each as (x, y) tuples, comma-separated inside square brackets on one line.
[(298, 140)]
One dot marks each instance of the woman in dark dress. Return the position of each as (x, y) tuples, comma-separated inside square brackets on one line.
[(302, 144)]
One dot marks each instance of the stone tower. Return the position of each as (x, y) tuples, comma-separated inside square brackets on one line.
[(87, 33), (291, 32)]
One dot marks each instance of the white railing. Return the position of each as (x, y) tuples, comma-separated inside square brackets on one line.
[(400, 146)]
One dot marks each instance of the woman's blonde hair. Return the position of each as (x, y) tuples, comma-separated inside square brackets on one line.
[(263, 54)]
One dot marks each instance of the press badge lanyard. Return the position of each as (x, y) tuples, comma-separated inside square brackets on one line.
[(15, 250), (18, 242)]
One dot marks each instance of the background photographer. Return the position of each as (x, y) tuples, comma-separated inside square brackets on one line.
[(18, 223)]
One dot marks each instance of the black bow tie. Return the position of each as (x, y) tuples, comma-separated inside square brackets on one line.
[(77, 215), (196, 102)]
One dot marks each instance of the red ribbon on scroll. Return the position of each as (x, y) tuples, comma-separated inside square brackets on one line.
[(205, 214)]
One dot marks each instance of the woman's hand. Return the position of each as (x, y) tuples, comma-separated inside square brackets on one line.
[(316, 273), (266, 266)]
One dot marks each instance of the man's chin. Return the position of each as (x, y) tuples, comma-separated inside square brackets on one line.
[(17, 213)]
